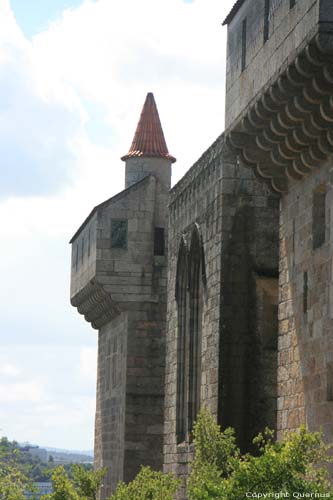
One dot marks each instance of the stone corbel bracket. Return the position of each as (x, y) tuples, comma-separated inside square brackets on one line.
[(289, 131), (95, 304)]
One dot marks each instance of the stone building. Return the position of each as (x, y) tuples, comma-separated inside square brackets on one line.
[(279, 117), (118, 282), (244, 323)]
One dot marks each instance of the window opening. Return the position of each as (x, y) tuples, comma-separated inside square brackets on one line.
[(319, 217), (182, 305), (305, 292), (244, 44), (159, 242), (292, 3), (266, 20), (76, 256), (119, 232), (196, 293), (329, 369), (82, 250)]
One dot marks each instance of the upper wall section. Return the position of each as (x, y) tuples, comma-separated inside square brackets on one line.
[(262, 36), (113, 254), (280, 87)]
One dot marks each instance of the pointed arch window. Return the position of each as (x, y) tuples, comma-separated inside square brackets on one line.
[(182, 306), (190, 283), (195, 327)]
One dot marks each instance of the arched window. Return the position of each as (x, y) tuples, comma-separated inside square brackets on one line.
[(189, 296), (195, 326), (182, 307)]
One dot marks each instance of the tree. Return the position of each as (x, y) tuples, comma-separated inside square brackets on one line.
[(80, 484), (148, 485), (294, 465), (13, 482)]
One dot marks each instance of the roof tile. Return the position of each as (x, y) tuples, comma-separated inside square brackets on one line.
[(149, 138)]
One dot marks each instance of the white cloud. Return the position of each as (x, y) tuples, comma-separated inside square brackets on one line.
[(31, 391), (84, 78), (88, 363), (9, 370), (121, 50)]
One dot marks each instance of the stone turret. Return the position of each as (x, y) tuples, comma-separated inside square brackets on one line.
[(148, 153), (118, 282)]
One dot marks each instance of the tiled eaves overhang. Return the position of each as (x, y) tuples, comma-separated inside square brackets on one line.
[(288, 132)]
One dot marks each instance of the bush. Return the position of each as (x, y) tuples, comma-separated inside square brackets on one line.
[(148, 485), (296, 465), (81, 484)]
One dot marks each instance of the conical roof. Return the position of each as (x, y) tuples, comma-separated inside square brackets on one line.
[(149, 138)]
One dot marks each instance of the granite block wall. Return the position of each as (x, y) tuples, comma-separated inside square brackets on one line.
[(111, 401), (306, 305), (288, 32), (237, 216)]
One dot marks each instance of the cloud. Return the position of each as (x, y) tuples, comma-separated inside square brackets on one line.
[(88, 363), (171, 48), (51, 401), (31, 391), (39, 117), (83, 78), (9, 370)]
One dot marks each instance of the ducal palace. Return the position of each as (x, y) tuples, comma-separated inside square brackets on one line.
[(219, 291)]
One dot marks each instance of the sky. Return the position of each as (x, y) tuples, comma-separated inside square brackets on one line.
[(74, 75)]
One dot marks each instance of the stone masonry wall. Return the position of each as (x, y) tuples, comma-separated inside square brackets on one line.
[(289, 30), (196, 198), (249, 266), (121, 290), (306, 307), (238, 219), (111, 401), (144, 388)]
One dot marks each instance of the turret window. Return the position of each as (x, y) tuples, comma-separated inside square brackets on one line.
[(266, 20), (82, 249), (119, 233), (319, 217), (244, 44), (159, 244), (76, 256)]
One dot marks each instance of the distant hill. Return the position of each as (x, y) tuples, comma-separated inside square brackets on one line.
[(38, 463), (59, 455), (89, 453)]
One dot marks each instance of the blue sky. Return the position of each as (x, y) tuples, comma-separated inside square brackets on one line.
[(36, 15), (73, 79)]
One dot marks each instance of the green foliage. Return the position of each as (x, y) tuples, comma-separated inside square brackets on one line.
[(81, 484), (13, 482), (148, 485), (219, 471), (87, 482), (63, 488), (29, 465)]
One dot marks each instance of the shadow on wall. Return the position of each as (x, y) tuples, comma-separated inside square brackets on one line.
[(248, 338)]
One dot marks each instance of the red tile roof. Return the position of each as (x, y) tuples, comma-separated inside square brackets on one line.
[(149, 138)]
